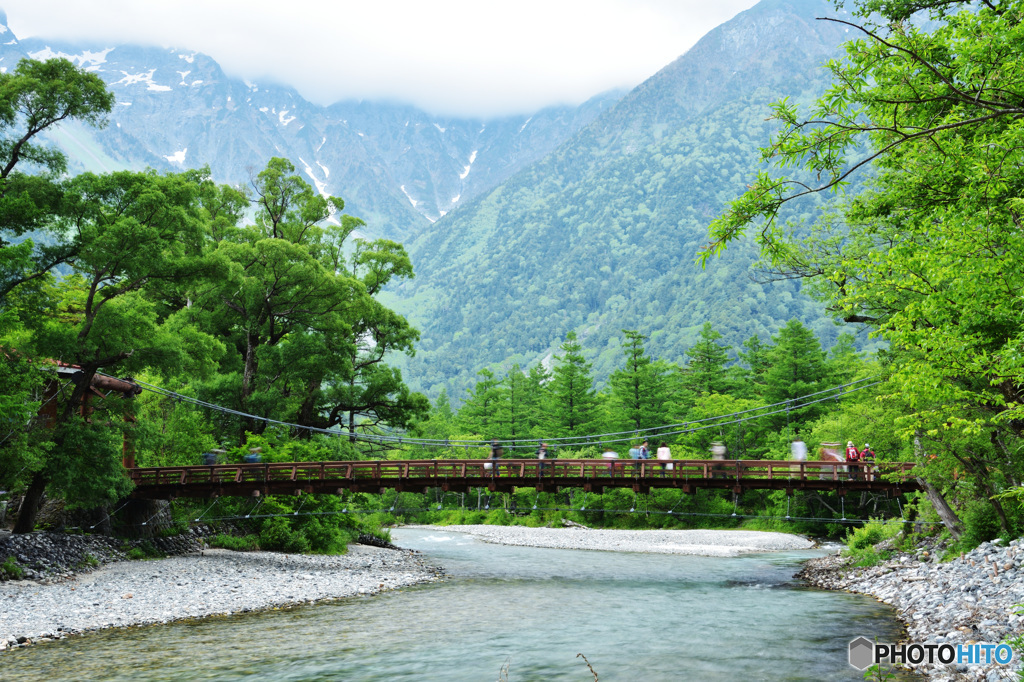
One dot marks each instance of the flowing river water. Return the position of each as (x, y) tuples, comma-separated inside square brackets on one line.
[(529, 611)]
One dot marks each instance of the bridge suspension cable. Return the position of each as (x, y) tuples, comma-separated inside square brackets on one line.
[(679, 428)]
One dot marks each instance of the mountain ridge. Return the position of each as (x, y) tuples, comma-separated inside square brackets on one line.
[(176, 109), (602, 234)]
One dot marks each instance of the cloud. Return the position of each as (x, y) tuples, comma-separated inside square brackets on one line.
[(461, 57)]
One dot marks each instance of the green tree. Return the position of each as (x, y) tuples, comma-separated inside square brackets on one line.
[(756, 355), (705, 372), (477, 413), (798, 368), (298, 308), (930, 255), (138, 234), (572, 408), (34, 97), (637, 390)]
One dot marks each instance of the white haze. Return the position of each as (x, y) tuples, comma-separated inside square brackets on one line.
[(458, 57)]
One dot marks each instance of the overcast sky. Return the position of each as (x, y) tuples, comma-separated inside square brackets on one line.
[(464, 57)]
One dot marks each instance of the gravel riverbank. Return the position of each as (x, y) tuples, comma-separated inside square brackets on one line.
[(971, 599), (701, 542), (214, 582)]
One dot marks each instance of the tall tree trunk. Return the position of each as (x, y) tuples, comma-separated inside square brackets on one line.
[(949, 518), (946, 514), (30, 505)]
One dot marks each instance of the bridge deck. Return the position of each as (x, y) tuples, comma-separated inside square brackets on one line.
[(592, 475)]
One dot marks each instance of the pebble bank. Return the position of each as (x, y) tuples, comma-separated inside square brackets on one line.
[(700, 542), (971, 599), (213, 582)]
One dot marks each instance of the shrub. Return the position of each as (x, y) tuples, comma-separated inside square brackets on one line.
[(11, 570), (860, 542), (144, 550), (277, 535), (244, 543)]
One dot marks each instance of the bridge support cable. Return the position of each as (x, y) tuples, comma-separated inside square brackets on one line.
[(739, 417)]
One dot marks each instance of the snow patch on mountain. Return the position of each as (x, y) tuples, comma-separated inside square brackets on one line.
[(325, 169), (409, 197), (183, 74), (284, 118), (138, 78), (321, 187), (88, 60), (456, 198), (178, 156), (465, 171), (321, 144), (188, 57), (440, 128), (523, 127)]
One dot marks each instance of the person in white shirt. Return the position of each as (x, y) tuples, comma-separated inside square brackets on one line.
[(664, 454)]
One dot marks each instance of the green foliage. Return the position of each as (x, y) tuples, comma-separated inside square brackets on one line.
[(145, 550), (89, 561), (10, 569), (929, 254), (572, 406), (236, 543), (861, 541)]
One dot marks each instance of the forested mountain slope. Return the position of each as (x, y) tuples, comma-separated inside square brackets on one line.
[(602, 234), (397, 167)]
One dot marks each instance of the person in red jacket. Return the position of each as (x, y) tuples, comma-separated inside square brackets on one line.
[(852, 457), (867, 458)]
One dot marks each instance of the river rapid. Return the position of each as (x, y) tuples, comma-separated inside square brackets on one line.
[(522, 610)]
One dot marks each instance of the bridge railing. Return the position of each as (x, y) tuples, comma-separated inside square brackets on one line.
[(439, 470)]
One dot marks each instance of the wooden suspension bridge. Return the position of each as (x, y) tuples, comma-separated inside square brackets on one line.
[(551, 475)]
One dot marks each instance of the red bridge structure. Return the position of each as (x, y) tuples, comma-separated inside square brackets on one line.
[(590, 475)]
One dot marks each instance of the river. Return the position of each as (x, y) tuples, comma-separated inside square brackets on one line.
[(644, 617)]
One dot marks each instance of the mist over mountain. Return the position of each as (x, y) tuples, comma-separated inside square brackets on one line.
[(602, 234), (397, 167)]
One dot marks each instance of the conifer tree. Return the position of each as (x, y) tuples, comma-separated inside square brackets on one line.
[(705, 373), (572, 407), (798, 369), (477, 413), (511, 408), (638, 389)]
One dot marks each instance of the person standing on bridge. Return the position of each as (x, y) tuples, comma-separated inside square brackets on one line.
[(867, 458), (610, 456), (798, 453), (635, 454), (852, 457), (664, 454), (495, 457), (542, 454), (718, 451)]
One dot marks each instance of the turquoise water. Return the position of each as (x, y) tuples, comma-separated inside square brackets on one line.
[(530, 611)]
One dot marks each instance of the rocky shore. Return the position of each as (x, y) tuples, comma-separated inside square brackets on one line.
[(69, 597), (971, 599)]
